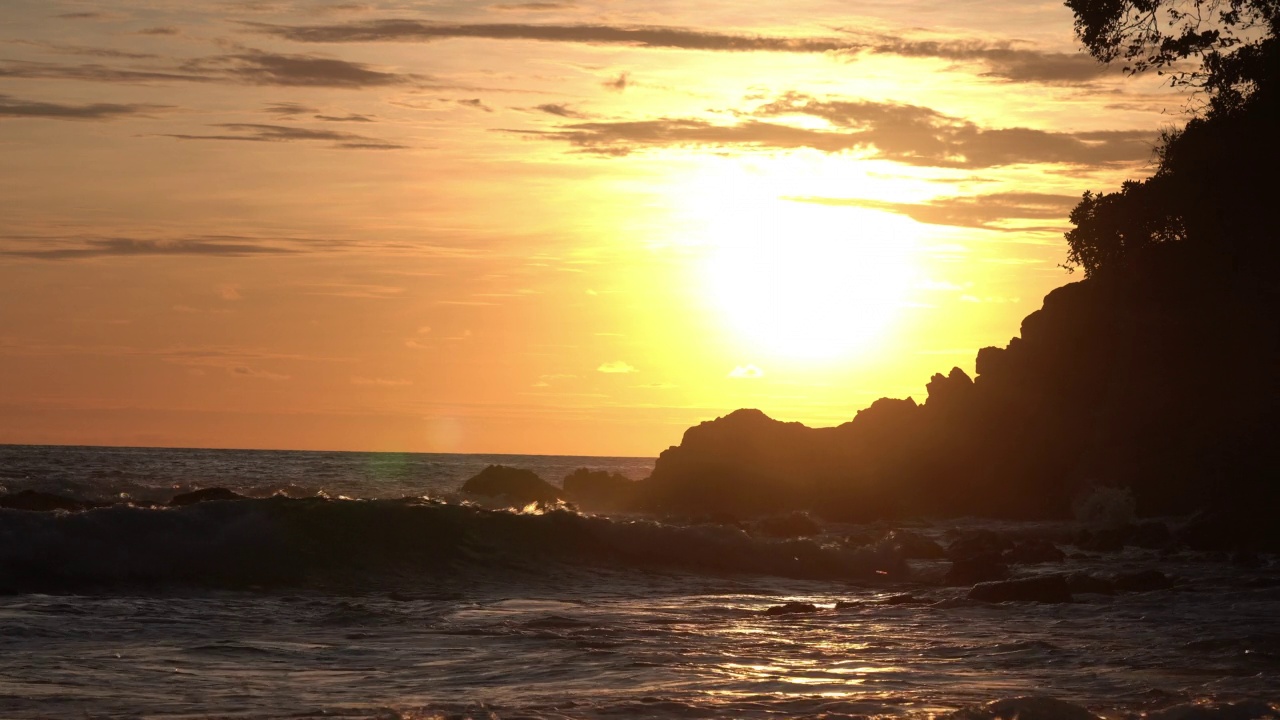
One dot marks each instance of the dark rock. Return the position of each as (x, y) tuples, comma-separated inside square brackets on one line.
[(792, 608), (949, 390), (912, 546), (518, 485), (1044, 589), (1081, 556), (1225, 530), (860, 539), (969, 572), (1150, 535), (37, 501), (1030, 552), (1246, 559), (1104, 540), (1243, 710), (1024, 708), (979, 545), (1084, 583), (906, 599), (793, 525), (716, 518), (1142, 581), (205, 495), (599, 490)]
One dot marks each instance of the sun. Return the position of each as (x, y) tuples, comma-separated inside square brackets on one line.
[(795, 279), (809, 281)]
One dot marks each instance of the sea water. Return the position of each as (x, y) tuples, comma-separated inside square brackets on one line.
[(362, 585)]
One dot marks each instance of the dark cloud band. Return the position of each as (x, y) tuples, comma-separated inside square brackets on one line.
[(908, 134)]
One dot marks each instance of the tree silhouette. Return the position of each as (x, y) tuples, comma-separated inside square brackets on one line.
[(1211, 186)]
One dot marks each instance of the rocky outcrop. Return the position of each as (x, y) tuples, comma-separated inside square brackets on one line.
[(1024, 708), (205, 495), (793, 525), (37, 501), (1044, 589), (792, 608), (599, 491), (512, 484), (1159, 378), (971, 572)]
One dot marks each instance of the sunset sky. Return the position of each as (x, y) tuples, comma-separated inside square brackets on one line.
[(543, 227)]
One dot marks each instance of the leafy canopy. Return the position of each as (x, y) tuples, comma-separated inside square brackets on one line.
[(1207, 186)]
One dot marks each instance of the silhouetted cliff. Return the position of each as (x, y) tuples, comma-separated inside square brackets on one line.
[(1161, 377)]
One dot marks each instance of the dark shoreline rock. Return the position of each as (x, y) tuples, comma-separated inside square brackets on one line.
[(792, 608), (1043, 589), (36, 501), (205, 495), (515, 484), (971, 572)]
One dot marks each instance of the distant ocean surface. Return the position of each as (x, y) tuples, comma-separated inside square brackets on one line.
[(364, 585)]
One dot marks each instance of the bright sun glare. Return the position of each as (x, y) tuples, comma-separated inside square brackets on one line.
[(803, 280)]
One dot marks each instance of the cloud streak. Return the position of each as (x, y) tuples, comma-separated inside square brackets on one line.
[(258, 132), (1004, 59), (93, 247), (908, 134), (395, 30), (11, 107), (251, 67), (971, 211)]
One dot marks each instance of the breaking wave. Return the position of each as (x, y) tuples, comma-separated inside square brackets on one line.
[(283, 542)]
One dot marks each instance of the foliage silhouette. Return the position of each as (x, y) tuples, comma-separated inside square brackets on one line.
[(1210, 187)]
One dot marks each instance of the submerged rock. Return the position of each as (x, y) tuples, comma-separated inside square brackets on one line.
[(794, 525), (979, 545), (1105, 540), (1142, 581), (1030, 552), (904, 599), (912, 546), (37, 501), (1244, 710), (599, 490), (970, 572), (1044, 589), (1025, 708), (1150, 535), (518, 485), (792, 608), (205, 495), (1084, 583)]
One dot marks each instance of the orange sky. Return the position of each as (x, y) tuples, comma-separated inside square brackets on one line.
[(544, 227)]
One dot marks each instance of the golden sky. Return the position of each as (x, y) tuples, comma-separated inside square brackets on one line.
[(531, 227)]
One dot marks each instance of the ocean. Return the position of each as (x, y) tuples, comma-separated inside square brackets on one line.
[(364, 585)]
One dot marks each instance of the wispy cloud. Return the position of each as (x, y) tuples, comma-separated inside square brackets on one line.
[(909, 134), (404, 30), (244, 371), (1004, 60), (249, 67), (224, 246), (973, 211), (11, 107), (381, 382), (257, 132), (616, 367), (560, 110), (534, 6), (746, 372), (264, 68)]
